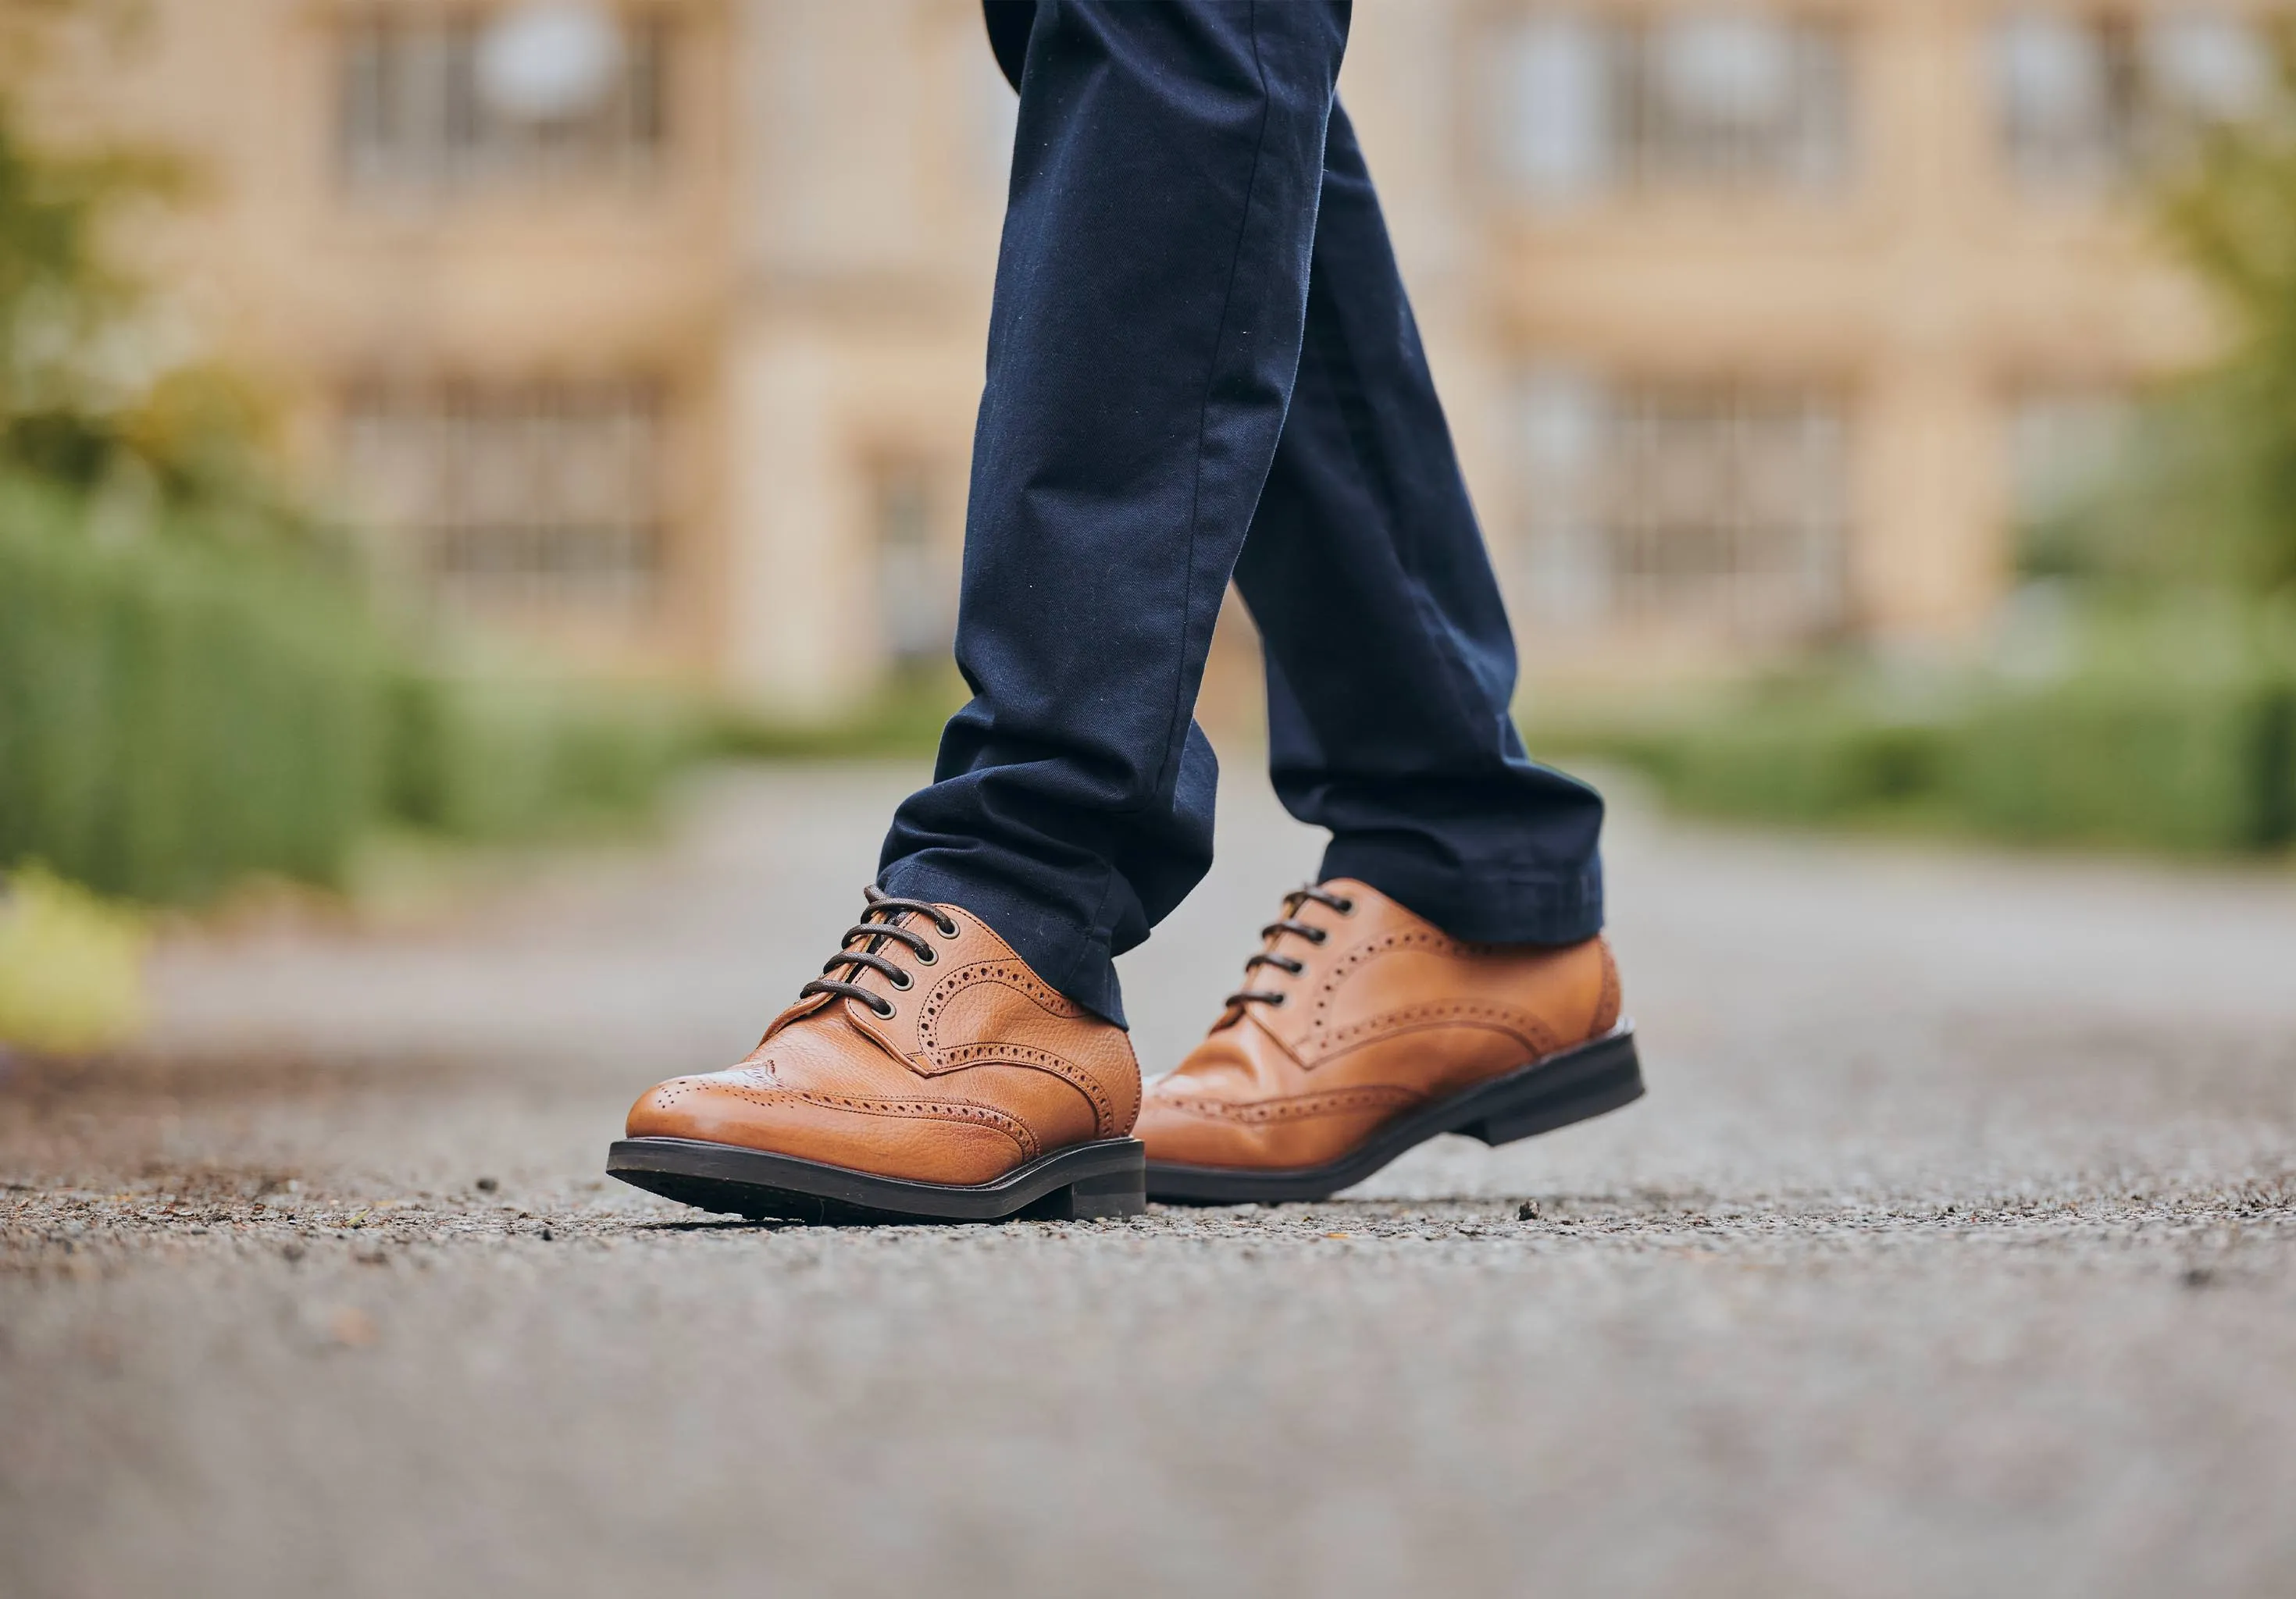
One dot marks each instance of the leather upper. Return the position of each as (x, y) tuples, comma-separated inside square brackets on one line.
[(1389, 1013), (979, 1068)]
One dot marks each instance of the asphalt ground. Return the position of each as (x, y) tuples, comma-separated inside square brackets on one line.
[(1954, 1251)]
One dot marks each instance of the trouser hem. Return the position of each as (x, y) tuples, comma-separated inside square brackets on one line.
[(1072, 959), (1499, 903)]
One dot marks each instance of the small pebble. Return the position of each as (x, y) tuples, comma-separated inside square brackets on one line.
[(488, 1184), (1527, 1212)]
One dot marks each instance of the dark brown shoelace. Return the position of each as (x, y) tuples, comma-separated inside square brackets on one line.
[(878, 927), (1288, 926)]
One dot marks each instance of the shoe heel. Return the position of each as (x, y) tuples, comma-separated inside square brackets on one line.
[(1111, 1193), (1596, 1078)]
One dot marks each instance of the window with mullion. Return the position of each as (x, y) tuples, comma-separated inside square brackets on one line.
[(448, 99), (2087, 99), (1586, 105), (1720, 506)]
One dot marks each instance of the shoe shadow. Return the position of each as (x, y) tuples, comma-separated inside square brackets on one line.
[(725, 1224)]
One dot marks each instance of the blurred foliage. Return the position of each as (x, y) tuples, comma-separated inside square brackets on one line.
[(498, 755), (2203, 491), (2181, 766), (94, 394), (71, 977), (194, 685), (171, 716), (175, 716), (905, 720), (2166, 725), (2142, 689)]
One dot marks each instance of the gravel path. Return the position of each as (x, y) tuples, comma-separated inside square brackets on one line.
[(1954, 1251)]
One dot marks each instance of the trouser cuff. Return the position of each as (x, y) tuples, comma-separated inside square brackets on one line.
[(1506, 902), (1075, 960)]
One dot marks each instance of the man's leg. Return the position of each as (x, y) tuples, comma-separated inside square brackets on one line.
[(1444, 977), (1150, 295), (1151, 292), (1390, 664)]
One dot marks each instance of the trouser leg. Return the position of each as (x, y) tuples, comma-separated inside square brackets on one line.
[(1390, 663), (1151, 290)]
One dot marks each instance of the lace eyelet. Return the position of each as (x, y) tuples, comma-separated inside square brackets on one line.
[(1346, 908), (1279, 999), (903, 981), (928, 956), (1319, 935), (948, 925), (883, 1007)]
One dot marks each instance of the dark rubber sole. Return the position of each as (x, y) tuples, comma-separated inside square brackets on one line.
[(1571, 1087), (1072, 1184)]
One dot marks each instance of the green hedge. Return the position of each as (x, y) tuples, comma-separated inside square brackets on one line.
[(173, 716), (492, 758), (2204, 762), (176, 715), (1804, 764), (904, 719), (2193, 766)]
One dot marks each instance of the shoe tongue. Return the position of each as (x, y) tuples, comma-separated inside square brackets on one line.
[(813, 1050), (826, 1022)]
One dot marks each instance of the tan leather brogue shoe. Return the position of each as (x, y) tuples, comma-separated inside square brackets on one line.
[(927, 1074), (1363, 1030)]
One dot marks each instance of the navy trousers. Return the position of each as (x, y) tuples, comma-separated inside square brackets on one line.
[(1203, 365)]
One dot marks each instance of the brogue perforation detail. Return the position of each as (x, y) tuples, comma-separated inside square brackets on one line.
[(1297, 1108), (850, 1088), (1011, 973), (1536, 1035), (1103, 1111), (1328, 986), (1012, 1127)]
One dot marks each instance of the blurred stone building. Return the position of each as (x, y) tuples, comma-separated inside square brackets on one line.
[(655, 328)]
